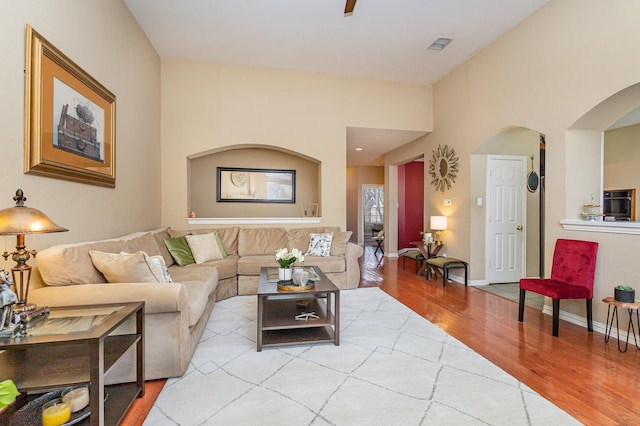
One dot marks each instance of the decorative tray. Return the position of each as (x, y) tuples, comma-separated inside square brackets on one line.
[(31, 414), (290, 286)]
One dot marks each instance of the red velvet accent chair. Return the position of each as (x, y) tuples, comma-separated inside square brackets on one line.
[(572, 274)]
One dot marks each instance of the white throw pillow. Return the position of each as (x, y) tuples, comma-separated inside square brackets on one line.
[(130, 267), (320, 244), (204, 247)]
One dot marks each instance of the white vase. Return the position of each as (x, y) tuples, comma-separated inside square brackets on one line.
[(284, 274)]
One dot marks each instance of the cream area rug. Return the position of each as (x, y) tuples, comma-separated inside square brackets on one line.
[(392, 367)]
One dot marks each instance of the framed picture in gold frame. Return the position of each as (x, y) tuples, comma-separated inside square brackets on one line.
[(69, 118)]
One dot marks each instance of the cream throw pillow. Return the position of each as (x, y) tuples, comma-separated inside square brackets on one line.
[(204, 247), (130, 267)]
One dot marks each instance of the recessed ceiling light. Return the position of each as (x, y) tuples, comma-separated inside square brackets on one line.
[(359, 149), (440, 43)]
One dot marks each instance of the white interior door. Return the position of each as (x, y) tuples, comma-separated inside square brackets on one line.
[(506, 216)]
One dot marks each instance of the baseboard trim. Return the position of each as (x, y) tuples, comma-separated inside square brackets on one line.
[(581, 321)]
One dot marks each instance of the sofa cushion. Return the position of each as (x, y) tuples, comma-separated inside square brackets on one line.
[(220, 244), (130, 267), (259, 241), (339, 243), (159, 235), (227, 267), (250, 265), (200, 282), (320, 244), (146, 243), (68, 264), (328, 264), (204, 247), (180, 251)]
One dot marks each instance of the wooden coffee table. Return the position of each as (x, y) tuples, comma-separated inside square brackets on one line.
[(277, 312)]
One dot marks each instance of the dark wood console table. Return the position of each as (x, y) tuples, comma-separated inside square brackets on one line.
[(428, 250), (76, 346)]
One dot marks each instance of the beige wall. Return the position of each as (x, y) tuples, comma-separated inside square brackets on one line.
[(544, 75), (207, 107), (203, 183), (104, 39)]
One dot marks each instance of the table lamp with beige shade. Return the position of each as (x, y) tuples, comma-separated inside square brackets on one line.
[(20, 220), (437, 224)]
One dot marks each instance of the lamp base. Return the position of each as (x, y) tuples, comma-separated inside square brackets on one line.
[(21, 307)]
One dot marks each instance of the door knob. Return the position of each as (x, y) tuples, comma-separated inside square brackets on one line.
[(519, 227)]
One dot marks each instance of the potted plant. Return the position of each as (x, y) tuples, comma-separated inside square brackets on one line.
[(8, 394), (624, 293), (285, 259)]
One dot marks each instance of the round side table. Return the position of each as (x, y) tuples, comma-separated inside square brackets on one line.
[(613, 313)]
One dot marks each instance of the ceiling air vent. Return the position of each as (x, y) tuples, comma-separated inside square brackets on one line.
[(440, 43)]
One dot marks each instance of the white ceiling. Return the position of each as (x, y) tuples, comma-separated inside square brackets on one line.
[(383, 39)]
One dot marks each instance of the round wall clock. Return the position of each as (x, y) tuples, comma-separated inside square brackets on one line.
[(443, 168), (239, 179)]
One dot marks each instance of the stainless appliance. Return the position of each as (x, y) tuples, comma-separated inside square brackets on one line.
[(619, 204)]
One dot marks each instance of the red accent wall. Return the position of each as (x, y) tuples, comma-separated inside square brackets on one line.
[(411, 203)]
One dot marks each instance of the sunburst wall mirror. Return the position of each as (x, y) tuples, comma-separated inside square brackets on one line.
[(443, 168)]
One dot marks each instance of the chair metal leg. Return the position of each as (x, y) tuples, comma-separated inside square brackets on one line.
[(556, 316), (590, 315), (521, 307)]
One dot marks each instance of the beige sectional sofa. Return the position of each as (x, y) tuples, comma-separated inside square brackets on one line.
[(177, 312)]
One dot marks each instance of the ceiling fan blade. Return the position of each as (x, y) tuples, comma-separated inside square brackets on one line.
[(348, 7)]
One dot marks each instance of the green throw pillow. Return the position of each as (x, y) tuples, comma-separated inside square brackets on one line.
[(180, 251), (219, 241)]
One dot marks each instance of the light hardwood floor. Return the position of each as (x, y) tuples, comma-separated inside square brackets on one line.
[(577, 371)]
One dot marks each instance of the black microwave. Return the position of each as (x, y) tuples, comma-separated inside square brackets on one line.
[(619, 205)]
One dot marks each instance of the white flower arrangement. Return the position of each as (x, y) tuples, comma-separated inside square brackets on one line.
[(285, 258)]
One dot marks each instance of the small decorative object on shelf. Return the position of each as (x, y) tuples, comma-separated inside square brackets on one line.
[(624, 293), (427, 236), (310, 210), (284, 274), (592, 210), (9, 320), (77, 397), (285, 259), (56, 412), (8, 394), (305, 316), (300, 276)]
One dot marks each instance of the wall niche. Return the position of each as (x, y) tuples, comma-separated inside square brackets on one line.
[(202, 170)]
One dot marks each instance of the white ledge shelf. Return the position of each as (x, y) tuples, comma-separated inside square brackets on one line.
[(251, 220), (601, 226)]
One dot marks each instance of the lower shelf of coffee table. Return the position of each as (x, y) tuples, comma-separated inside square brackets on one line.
[(279, 314), (280, 326), (297, 336)]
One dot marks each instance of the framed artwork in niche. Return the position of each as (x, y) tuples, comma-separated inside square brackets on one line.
[(69, 118), (245, 185)]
